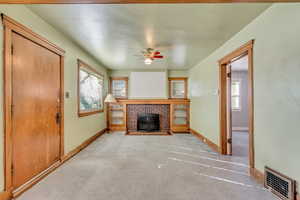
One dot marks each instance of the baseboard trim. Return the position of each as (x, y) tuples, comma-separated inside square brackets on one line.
[(257, 175), (7, 195), (206, 140), (83, 145), (35, 180), (240, 128)]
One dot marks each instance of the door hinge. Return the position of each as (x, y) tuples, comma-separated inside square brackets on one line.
[(229, 75), (229, 141), (12, 169), (12, 49), (12, 109)]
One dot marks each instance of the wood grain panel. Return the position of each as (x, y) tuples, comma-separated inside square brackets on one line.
[(223, 108), (5, 195), (35, 104), (19, 59)]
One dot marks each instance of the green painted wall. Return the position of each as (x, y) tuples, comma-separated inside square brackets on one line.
[(171, 73), (76, 129), (126, 73), (178, 73), (276, 88)]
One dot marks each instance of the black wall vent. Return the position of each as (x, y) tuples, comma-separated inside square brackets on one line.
[(279, 184)]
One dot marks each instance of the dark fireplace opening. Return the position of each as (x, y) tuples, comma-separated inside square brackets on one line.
[(148, 122)]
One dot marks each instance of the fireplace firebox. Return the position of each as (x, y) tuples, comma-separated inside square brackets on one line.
[(148, 122)]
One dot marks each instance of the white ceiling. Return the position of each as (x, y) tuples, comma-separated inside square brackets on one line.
[(115, 34)]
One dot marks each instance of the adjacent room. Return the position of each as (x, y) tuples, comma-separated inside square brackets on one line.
[(239, 109), (149, 100)]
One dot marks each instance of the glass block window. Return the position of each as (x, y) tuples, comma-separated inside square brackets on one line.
[(119, 87)]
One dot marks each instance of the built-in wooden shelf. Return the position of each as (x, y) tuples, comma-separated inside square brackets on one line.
[(117, 117), (175, 105), (184, 109), (117, 122), (116, 109)]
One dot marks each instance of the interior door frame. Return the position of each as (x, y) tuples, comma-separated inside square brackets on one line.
[(12, 26), (229, 109), (246, 49)]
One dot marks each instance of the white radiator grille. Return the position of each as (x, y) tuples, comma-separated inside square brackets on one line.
[(280, 185)]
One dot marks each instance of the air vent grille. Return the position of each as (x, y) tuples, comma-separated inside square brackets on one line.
[(280, 185)]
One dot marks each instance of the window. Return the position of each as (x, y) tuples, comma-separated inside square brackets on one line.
[(119, 87), (90, 90), (236, 95), (178, 88)]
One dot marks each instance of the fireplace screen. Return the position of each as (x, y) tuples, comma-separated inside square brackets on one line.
[(148, 122)]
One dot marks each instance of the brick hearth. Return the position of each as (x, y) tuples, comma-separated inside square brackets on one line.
[(162, 109)]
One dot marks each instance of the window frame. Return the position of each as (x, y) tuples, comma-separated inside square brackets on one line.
[(184, 79), (81, 64), (111, 85), (239, 96)]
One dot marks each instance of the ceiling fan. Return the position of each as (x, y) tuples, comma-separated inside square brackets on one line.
[(150, 55)]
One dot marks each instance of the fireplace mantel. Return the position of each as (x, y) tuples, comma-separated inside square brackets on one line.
[(153, 101), (177, 113)]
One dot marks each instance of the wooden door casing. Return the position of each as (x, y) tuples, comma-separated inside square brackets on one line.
[(229, 110), (244, 50)]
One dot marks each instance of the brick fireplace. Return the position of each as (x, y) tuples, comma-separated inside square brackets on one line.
[(133, 110)]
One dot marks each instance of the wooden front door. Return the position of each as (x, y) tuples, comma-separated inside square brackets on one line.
[(35, 109)]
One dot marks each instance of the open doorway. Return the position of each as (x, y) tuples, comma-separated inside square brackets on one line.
[(239, 108), (236, 104)]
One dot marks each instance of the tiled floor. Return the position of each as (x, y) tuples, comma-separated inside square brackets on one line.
[(178, 167)]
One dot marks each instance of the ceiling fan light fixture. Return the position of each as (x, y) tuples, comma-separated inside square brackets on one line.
[(148, 61)]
